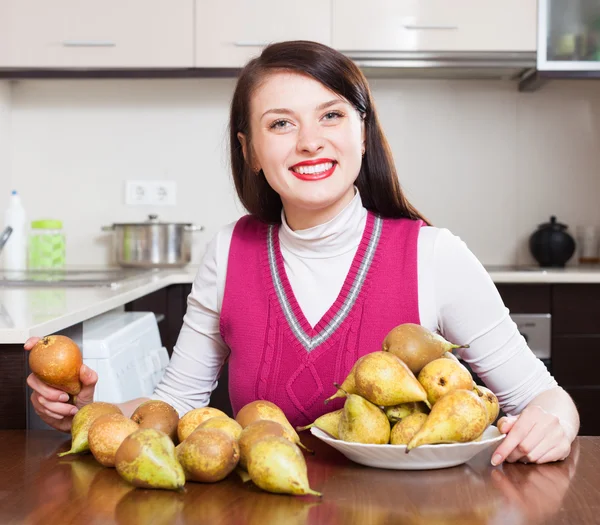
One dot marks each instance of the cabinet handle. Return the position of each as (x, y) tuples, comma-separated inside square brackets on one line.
[(88, 43), (250, 43), (427, 27)]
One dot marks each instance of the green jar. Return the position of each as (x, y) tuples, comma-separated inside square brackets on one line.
[(46, 245)]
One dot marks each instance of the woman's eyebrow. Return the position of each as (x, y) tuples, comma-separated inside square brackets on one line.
[(284, 111)]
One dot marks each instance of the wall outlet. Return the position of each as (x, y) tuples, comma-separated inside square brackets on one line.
[(150, 193)]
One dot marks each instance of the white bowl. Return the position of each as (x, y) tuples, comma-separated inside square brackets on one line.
[(425, 457)]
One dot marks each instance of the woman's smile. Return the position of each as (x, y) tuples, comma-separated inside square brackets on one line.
[(314, 170)]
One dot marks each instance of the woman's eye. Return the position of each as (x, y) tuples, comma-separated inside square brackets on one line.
[(279, 124), (332, 115)]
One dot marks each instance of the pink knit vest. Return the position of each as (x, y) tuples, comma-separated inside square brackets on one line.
[(275, 354)]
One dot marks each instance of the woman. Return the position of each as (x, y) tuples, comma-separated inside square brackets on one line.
[(329, 259)]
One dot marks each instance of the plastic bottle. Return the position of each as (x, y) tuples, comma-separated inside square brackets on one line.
[(15, 250)]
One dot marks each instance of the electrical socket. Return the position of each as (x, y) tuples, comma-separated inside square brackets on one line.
[(150, 193)]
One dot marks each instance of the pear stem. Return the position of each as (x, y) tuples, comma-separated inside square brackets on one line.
[(306, 449), (312, 492), (300, 429), (459, 346), (336, 395)]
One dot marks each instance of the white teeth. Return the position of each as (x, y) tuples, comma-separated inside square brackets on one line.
[(317, 168)]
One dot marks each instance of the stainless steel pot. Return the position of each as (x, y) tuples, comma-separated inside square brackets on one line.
[(153, 244)]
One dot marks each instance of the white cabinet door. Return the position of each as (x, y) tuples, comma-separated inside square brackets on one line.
[(99, 34), (230, 32), (4, 41), (434, 25)]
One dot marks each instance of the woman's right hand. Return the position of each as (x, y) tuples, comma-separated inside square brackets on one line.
[(51, 404)]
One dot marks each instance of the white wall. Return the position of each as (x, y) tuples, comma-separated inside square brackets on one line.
[(5, 145), (477, 157)]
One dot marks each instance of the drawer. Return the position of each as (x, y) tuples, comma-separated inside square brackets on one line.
[(526, 298), (576, 360), (576, 309)]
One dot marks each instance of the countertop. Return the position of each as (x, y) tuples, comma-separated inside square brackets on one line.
[(26, 312), (38, 488)]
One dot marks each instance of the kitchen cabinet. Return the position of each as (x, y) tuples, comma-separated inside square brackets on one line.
[(434, 25), (108, 34), (230, 32)]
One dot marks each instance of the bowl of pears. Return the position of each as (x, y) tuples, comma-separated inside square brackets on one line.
[(411, 406)]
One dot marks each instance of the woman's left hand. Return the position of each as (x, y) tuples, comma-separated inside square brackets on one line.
[(534, 436)]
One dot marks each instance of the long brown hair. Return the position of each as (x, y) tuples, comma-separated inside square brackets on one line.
[(377, 180)]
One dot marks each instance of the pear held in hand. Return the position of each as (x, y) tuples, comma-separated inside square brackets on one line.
[(491, 402), (458, 417), (441, 376), (404, 430), (327, 423), (416, 345), (147, 459), (363, 422), (385, 380), (56, 360), (158, 415), (276, 465), (82, 421)]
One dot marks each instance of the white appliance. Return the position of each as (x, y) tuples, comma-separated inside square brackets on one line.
[(125, 349)]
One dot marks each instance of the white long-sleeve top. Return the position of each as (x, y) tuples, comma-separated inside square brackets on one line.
[(457, 298)]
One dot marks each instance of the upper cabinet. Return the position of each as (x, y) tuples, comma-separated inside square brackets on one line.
[(230, 32), (96, 34), (434, 25)]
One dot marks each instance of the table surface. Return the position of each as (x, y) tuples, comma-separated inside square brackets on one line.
[(38, 487)]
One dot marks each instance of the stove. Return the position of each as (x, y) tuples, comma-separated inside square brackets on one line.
[(111, 277)]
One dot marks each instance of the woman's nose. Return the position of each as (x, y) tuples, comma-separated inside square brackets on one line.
[(310, 139)]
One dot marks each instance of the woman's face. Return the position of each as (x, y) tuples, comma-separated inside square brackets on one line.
[(308, 141)]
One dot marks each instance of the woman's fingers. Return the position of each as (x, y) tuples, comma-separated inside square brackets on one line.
[(512, 440), (30, 343), (61, 409), (45, 390)]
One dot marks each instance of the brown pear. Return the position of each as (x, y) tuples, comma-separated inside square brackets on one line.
[(159, 415), (278, 466), (441, 376), (226, 424), (385, 380), (416, 345), (261, 409), (208, 455), (56, 360), (258, 430), (146, 459), (397, 412), (458, 417), (403, 431), (349, 384), (491, 402), (82, 421), (328, 423), (106, 435), (363, 422), (192, 419)]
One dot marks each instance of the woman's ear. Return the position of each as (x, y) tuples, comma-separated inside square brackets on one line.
[(363, 136), (242, 138)]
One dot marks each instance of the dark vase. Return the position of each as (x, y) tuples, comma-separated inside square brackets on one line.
[(551, 245)]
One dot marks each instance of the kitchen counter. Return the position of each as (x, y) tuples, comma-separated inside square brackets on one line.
[(39, 488)]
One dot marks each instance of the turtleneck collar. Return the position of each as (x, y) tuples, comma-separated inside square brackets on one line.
[(341, 234)]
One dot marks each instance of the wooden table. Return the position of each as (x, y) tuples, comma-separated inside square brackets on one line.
[(37, 487)]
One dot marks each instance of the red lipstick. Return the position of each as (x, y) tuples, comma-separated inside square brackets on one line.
[(314, 176)]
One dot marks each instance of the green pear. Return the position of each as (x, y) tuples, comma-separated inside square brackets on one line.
[(363, 422), (397, 412), (276, 465), (458, 417), (490, 400), (416, 345), (404, 430), (255, 432), (441, 376), (385, 380), (349, 384), (226, 424), (82, 421), (327, 423), (146, 459)]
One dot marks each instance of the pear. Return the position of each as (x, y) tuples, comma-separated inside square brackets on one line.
[(458, 417), (441, 376), (192, 419), (230, 426), (385, 380), (397, 412), (208, 455), (404, 430), (276, 465), (490, 400), (146, 459), (327, 423), (106, 435), (261, 409), (257, 431), (416, 345), (159, 415), (82, 421), (349, 384), (56, 360), (363, 422)]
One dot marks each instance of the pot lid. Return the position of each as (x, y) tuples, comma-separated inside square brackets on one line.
[(552, 225), (152, 219)]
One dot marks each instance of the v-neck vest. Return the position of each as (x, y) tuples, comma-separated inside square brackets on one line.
[(275, 353)]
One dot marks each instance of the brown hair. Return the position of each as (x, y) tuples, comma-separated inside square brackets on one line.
[(377, 180)]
